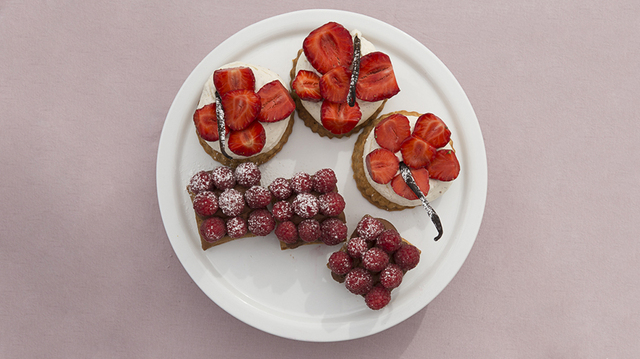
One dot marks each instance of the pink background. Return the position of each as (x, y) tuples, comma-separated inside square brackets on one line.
[(86, 266)]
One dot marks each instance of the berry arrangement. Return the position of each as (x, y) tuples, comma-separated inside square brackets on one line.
[(245, 110), (330, 51), (421, 149), (230, 203), (374, 261)]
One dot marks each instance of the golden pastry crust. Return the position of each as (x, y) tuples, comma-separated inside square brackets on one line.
[(257, 159), (314, 125), (368, 192)]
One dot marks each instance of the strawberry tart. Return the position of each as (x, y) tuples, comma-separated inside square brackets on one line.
[(339, 81), (374, 261), (257, 109), (421, 141)]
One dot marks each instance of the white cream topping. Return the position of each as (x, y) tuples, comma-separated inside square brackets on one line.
[(436, 187), (274, 130), (366, 108)]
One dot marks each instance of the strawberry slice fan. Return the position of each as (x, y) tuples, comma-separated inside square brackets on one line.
[(405, 172)]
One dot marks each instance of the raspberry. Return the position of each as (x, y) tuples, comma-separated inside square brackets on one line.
[(287, 232), (305, 205), (247, 174), (231, 202), (257, 197), (301, 182), (223, 177), (309, 230), (389, 240), (324, 180), (212, 229), (375, 259), (201, 181), (280, 188), (282, 211), (236, 227), (331, 204), (407, 257), (369, 228), (378, 297), (333, 231), (356, 247), (340, 263), (261, 222), (205, 203), (391, 276), (359, 281)]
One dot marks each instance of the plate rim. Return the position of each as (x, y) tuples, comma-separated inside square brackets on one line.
[(197, 270)]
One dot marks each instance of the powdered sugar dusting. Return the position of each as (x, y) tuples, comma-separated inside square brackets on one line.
[(231, 202), (306, 205)]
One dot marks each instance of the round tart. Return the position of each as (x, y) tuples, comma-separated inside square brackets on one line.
[(321, 79), (258, 113), (422, 141)]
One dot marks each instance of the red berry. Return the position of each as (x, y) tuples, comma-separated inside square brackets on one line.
[(231, 202), (234, 78), (369, 228), (307, 86), (282, 211), (378, 297), (249, 141), (328, 46), (389, 241), (201, 181), (236, 227), (375, 259), (287, 232), (382, 165), (301, 182), (340, 263), (359, 281), (247, 174), (376, 80), (391, 276), (331, 204), (205, 203), (324, 180), (392, 131), (416, 152), (276, 102), (444, 166), (280, 188), (261, 222), (407, 257), (257, 197), (339, 118), (333, 231), (432, 129), (206, 122), (241, 108), (212, 229), (420, 177), (334, 85), (309, 230), (356, 247), (305, 205), (223, 178)]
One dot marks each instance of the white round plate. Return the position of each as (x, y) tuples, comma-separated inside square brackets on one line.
[(291, 293)]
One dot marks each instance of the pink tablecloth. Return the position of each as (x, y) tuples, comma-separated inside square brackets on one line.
[(87, 268)]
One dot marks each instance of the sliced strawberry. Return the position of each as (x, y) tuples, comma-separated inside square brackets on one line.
[(234, 78), (392, 131), (241, 108), (376, 80), (444, 166), (382, 165), (307, 86), (276, 102), (328, 46), (339, 118), (249, 141), (416, 152), (420, 176), (206, 122), (432, 129), (334, 85)]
